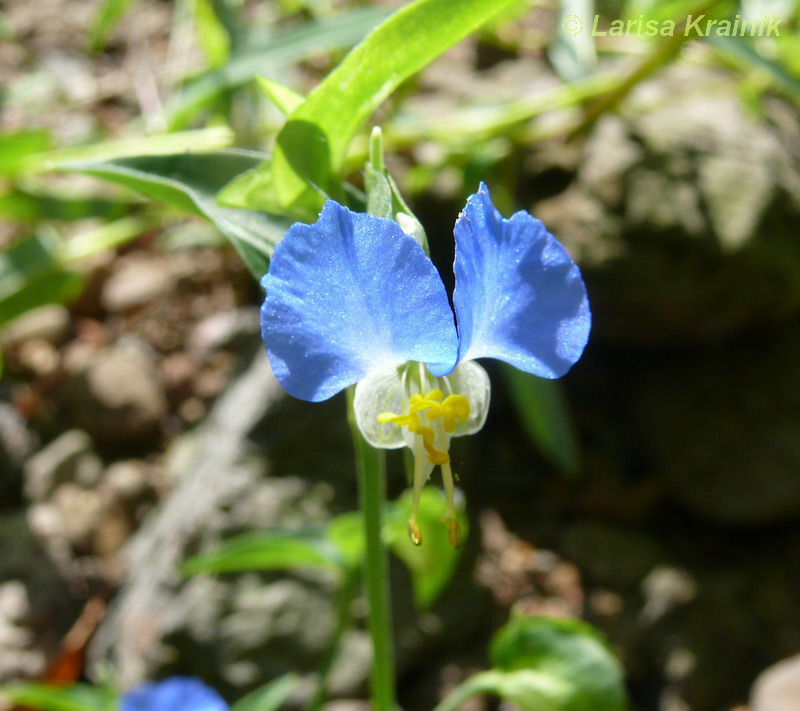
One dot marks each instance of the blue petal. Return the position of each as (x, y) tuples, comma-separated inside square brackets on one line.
[(349, 295), (518, 297), (174, 693)]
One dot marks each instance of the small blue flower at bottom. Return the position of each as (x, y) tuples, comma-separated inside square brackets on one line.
[(354, 299), (178, 693)]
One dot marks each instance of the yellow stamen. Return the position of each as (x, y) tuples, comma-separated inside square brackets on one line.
[(453, 527), (420, 473), (411, 420), (414, 533), (454, 533), (435, 456), (455, 408), (450, 410)]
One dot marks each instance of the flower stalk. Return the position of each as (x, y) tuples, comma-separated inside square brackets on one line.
[(370, 466)]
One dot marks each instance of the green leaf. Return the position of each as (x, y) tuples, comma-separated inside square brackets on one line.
[(37, 270), (744, 49), (191, 183), (32, 203), (346, 533), (211, 33), (32, 274), (57, 286), (207, 139), (108, 15), (548, 664), (107, 235), (285, 99), (269, 697), (568, 652), (24, 260), (477, 122), (544, 412), (310, 150), (433, 563), (266, 57), (340, 546), (270, 550), (17, 146), (80, 697)]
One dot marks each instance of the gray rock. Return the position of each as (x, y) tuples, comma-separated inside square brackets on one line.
[(20, 658), (117, 396), (223, 329), (16, 444), (38, 358), (664, 590), (217, 481), (15, 440), (673, 209), (68, 459), (778, 687), (36, 604), (348, 705), (127, 482), (138, 279), (78, 512), (74, 74), (48, 323)]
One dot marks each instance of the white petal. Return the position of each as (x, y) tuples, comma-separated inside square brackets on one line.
[(377, 393)]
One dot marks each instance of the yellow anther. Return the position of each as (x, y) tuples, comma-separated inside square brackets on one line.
[(435, 411), (435, 456), (411, 420), (454, 409), (453, 533), (415, 533), (436, 394), (459, 404)]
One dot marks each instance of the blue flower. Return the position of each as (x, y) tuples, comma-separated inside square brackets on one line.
[(178, 693), (354, 299)]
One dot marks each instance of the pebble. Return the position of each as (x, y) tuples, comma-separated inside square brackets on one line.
[(79, 511), (20, 659), (48, 323), (38, 357), (137, 281), (67, 459), (222, 329), (16, 442), (778, 687), (126, 481), (117, 397)]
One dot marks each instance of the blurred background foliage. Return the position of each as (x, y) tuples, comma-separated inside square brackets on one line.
[(655, 493)]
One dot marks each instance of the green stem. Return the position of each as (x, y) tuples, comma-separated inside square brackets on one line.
[(371, 485)]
